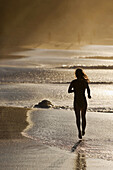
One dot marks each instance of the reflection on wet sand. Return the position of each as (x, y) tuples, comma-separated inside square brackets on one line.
[(80, 161)]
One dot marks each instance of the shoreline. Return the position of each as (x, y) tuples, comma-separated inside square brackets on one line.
[(14, 148), (51, 46), (9, 55)]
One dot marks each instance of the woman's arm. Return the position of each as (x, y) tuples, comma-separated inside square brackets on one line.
[(70, 89), (88, 91)]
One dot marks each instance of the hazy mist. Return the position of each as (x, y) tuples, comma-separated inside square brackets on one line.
[(32, 23)]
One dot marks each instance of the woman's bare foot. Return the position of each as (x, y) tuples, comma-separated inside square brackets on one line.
[(83, 133), (79, 135)]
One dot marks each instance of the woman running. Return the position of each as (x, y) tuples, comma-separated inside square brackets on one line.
[(78, 86)]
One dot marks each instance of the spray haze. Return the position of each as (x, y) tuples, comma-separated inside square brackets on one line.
[(68, 21)]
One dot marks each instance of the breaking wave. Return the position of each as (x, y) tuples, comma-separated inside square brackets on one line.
[(109, 82), (96, 109), (86, 67), (48, 104)]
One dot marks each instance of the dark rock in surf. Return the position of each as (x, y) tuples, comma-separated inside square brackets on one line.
[(44, 104)]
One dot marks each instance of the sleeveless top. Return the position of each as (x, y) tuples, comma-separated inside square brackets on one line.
[(79, 86)]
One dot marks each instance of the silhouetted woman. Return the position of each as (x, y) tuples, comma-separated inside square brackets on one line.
[(78, 86)]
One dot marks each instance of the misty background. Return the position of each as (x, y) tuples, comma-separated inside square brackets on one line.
[(54, 23)]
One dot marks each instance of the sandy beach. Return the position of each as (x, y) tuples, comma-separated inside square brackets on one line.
[(20, 152), (56, 57)]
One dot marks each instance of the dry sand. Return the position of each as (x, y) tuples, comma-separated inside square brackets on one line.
[(18, 152)]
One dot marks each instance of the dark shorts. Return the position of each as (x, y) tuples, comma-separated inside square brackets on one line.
[(81, 104)]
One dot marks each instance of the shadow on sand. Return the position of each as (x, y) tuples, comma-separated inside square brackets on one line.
[(75, 146)]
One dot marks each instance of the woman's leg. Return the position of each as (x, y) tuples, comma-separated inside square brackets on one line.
[(83, 113), (77, 113)]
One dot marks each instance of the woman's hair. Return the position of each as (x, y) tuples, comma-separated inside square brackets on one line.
[(79, 73)]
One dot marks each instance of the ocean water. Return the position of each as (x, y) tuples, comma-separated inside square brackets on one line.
[(46, 74)]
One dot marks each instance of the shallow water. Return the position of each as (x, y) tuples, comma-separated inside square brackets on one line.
[(57, 128), (27, 95)]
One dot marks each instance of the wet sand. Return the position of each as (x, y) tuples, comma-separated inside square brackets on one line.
[(18, 152), (12, 122), (4, 57)]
